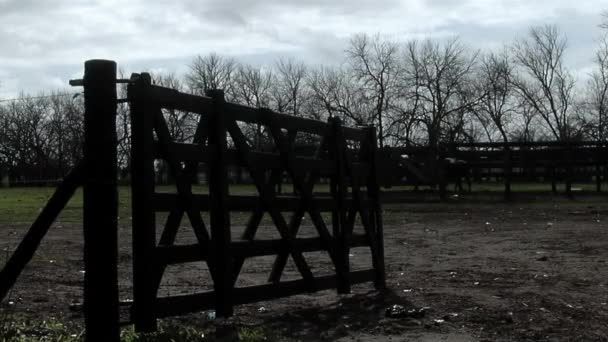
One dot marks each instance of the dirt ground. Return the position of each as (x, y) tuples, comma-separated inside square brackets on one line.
[(534, 271)]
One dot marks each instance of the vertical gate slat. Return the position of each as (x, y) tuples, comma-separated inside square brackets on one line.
[(376, 219), (219, 214), (339, 214), (144, 220)]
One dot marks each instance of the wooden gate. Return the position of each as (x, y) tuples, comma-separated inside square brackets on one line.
[(344, 156)]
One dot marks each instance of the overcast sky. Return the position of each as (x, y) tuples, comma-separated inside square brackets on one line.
[(43, 43)]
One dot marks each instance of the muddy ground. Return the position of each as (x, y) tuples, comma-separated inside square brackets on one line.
[(534, 271)]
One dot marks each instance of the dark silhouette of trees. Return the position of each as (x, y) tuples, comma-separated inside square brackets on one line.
[(420, 92)]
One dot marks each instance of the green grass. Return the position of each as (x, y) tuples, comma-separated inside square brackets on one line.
[(493, 186), (22, 205), (251, 335), (51, 330)]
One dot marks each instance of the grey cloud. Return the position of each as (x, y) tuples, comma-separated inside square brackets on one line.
[(51, 38)]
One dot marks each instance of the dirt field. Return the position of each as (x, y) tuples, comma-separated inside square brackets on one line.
[(483, 272)]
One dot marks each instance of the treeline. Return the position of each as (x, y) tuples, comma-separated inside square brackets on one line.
[(40, 137), (421, 92)]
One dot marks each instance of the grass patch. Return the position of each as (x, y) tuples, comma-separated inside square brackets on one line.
[(22, 205), (251, 335), (55, 331), (51, 330)]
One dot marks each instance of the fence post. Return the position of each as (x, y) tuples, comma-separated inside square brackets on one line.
[(598, 167), (569, 169), (508, 171), (373, 191), (553, 178), (338, 190), (219, 214), (100, 202), (441, 171), (144, 218)]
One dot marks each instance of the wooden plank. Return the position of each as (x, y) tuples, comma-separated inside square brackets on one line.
[(569, 175), (373, 191), (508, 159), (598, 168), (219, 211), (175, 254), (166, 202), (167, 238), (339, 193), (261, 160), (179, 305), (181, 151), (142, 188), (285, 121), (173, 99), (30, 242)]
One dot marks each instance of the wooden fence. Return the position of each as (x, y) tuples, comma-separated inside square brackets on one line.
[(533, 162), (344, 155)]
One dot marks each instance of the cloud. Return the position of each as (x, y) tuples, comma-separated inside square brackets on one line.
[(51, 39)]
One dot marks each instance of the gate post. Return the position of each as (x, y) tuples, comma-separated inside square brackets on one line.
[(373, 190), (100, 202), (508, 170), (569, 175), (144, 218), (338, 192), (218, 210), (598, 167)]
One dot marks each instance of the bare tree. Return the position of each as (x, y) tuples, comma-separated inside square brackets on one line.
[(544, 83), (497, 109), (212, 72), (338, 92), (253, 85), (64, 132), (436, 80), (288, 86), (374, 63), (182, 125), (27, 136), (253, 89), (598, 84)]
